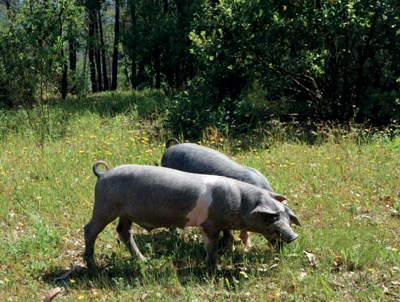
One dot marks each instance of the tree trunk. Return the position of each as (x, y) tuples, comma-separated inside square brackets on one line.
[(134, 81), (114, 77), (97, 54), (126, 69), (180, 72), (166, 6), (364, 55), (92, 64), (72, 63), (103, 53), (64, 77), (345, 99), (133, 50), (64, 80)]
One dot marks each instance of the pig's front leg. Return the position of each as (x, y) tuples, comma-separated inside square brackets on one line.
[(244, 236), (210, 239), (227, 240)]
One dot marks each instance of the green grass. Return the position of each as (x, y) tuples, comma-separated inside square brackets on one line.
[(344, 190)]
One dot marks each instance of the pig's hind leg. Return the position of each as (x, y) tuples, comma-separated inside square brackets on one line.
[(124, 230), (95, 226)]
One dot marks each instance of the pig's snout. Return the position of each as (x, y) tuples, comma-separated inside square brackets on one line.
[(288, 236), (283, 238)]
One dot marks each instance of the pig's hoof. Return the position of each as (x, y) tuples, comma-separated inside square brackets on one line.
[(211, 263), (247, 248), (90, 264)]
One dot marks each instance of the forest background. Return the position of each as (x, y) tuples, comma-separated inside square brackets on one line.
[(232, 64)]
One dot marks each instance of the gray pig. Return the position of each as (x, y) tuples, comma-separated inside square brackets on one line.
[(194, 158), (154, 197)]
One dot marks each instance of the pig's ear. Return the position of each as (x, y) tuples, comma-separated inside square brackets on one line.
[(279, 197), (264, 209), (293, 217), (295, 220)]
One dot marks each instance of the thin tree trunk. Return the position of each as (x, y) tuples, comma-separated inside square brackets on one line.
[(72, 63), (133, 54), (180, 72), (85, 56), (365, 54), (64, 78), (133, 74), (98, 68), (103, 53), (126, 69), (166, 6), (114, 77), (345, 99), (92, 64), (97, 54)]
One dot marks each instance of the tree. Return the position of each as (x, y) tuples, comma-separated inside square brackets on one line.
[(157, 42), (103, 52), (320, 59), (130, 44), (92, 8), (114, 76), (240, 60), (32, 54)]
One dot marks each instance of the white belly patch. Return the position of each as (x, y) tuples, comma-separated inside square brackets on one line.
[(199, 213)]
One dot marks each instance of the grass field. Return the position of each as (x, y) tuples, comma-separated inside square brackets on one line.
[(345, 190)]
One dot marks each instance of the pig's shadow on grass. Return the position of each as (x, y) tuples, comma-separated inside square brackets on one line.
[(169, 256)]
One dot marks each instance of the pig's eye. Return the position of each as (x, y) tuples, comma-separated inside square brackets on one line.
[(272, 218), (275, 218)]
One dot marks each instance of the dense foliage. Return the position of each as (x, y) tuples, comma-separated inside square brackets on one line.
[(229, 64), (32, 55), (326, 59)]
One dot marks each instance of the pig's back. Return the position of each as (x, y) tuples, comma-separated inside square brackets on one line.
[(202, 160), (198, 159), (150, 196)]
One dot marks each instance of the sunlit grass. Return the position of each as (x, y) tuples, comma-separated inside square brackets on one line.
[(345, 192)]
